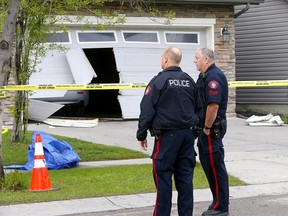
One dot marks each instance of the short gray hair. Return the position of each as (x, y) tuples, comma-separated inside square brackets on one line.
[(207, 52)]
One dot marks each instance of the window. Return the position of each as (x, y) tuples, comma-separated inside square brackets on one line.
[(94, 37), (145, 37), (181, 37), (58, 37)]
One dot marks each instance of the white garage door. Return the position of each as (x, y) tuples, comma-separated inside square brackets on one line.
[(137, 51), (139, 64)]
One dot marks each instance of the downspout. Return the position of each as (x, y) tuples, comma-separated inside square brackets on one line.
[(242, 11)]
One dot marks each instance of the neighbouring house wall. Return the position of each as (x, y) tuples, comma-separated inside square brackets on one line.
[(224, 51), (262, 54)]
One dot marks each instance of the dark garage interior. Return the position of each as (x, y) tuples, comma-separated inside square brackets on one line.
[(103, 103)]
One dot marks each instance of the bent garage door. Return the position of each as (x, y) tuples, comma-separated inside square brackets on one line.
[(130, 54), (141, 65)]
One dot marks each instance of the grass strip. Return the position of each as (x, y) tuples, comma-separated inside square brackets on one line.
[(78, 183)]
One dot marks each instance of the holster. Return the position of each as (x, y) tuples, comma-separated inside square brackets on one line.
[(217, 126), (153, 132)]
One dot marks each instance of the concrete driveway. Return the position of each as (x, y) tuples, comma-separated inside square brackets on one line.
[(256, 155)]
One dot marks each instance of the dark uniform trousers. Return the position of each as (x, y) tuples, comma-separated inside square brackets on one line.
[(174, 154), (211, 154)]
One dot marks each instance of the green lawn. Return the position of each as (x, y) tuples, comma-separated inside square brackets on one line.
[(84, 182)]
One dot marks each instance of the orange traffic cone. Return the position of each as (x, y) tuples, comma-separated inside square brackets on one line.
[(40, 179)]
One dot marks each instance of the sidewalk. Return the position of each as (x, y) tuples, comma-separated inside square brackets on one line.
[(256, 155), (113, 203)]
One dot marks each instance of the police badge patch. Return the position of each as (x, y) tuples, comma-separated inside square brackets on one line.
[(148, 90), (213, 85)]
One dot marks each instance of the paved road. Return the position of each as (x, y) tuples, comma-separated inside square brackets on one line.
[(252, 206)]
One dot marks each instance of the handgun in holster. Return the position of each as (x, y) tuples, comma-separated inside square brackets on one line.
[(152, 132), (217, 128), (196, 130)]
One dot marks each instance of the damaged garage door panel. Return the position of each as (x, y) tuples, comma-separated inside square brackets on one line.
[(59, 68), (130, 106), (54, 69), (80, 67), (41, 110), (135, 65)]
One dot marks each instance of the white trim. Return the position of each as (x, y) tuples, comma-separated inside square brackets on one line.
[(177, 22), (142, 21), (140, 42), (86, 42), (210, 37), (139, 22), (206, 23)]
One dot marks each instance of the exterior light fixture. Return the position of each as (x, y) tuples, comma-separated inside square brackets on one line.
[(225, 34)]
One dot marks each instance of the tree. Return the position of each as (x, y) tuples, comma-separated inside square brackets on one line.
[(31, 22), (36, 19), (6, 43)]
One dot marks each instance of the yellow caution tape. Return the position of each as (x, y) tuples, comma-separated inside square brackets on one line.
[(264, 83), (4, 130), (125, 86), (105, 86)]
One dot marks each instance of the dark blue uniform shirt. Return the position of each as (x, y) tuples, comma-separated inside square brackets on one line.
[(213, 88), (168, 103)]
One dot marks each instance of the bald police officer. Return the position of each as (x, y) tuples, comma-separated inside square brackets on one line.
[(168, 111)]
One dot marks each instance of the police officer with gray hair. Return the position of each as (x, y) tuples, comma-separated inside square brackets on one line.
[(168, 111), (213, 89)]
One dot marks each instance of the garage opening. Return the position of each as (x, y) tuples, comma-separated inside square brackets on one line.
[(103, 103)]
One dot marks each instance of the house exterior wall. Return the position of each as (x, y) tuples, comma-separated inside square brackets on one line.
[(224, 51), (262, 54)]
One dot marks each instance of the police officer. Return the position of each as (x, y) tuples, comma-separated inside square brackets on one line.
[(167, 110), (213, 89)]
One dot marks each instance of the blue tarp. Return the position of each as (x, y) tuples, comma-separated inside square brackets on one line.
[(58, 154)]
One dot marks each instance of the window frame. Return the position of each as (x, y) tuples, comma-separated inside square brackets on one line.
[(140, 42), (182, 32), (91, 42)]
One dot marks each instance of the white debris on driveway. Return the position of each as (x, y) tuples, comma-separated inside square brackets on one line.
[(268, 120), (88, 123)]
